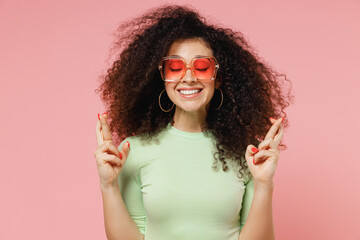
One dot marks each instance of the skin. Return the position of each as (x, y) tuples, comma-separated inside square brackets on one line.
[(264, 162), (189, 114), (262, 165), (109, 163)]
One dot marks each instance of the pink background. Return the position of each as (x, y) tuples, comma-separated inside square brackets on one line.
[(52, 52)]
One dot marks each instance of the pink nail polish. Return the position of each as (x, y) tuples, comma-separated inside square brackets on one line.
[(120, 155), (271, 118), (128, 144), (99, 116)]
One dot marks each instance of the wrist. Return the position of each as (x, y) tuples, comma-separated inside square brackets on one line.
[(264, 185), (107, 186)]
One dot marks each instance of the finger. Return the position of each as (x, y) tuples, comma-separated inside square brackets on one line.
[(272, 120), (250, 151), (261, 156), (108, 147), (105, 127), (279, 135), (125, 149), (274, 128), (264, 145), (111, 158), (268, 144), (99, 136)]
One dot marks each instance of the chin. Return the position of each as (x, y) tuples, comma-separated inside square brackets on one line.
[(188, 108)]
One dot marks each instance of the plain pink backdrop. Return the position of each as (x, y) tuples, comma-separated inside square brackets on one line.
[(51, 53)]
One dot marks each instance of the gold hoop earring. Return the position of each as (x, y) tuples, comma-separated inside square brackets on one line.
[(222, 99), (160, 103)]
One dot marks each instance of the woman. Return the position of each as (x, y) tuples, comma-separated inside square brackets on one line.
[(220, 100)]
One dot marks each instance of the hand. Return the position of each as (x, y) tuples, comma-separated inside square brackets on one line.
[(109, 160), (263, 163)]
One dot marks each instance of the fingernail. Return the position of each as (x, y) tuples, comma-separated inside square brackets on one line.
[(120, 155), (254, 150), (271, 118), (128, 144), (99, 116), (104, 114), (282, 119), (254, 161)]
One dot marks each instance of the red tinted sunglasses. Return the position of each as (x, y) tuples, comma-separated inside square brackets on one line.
[(173, 68)]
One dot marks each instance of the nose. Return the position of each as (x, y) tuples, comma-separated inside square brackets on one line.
[(188, 75)]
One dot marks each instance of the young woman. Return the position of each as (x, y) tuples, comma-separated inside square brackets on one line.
[(198, 118)]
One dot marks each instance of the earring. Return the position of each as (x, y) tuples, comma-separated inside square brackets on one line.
[(222, 99), (160, 103)]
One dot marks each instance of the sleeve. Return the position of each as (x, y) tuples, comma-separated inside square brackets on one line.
[(129, 182), (247, 200)]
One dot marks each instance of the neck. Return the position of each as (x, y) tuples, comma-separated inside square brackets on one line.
[(189, 121)]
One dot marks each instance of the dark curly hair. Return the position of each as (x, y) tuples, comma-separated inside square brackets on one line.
[(252, 90)]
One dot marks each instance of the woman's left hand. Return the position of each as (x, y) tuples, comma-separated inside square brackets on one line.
[(262, 163)]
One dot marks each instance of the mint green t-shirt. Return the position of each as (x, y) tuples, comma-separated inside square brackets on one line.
[(171, 191)]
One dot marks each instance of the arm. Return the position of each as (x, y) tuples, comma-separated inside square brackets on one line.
[(262, 164), (259, 223), (118, 223), (124, 213)]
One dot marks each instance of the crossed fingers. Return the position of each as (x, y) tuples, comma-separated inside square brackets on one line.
[(274, 135), (268, 147)]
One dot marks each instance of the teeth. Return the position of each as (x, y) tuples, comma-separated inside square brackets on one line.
[(188, 92)]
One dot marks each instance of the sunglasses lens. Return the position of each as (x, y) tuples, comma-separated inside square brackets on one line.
[(204, 68), (174, 69)]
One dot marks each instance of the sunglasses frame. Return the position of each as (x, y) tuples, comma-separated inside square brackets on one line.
[(188, 66)]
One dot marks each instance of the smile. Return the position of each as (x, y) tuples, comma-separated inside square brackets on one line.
[(190, 93)]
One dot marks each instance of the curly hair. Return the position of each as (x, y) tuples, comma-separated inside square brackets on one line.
[(252, 91)]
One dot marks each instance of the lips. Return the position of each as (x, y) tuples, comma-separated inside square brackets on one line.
[(188, 89)]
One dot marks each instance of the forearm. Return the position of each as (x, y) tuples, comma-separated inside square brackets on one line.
[(118, 223), (259, 223)]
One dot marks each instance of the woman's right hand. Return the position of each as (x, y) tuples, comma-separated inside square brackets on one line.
[(109, 160)]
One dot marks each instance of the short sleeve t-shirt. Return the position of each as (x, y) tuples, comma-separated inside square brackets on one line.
[(172, 192)]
